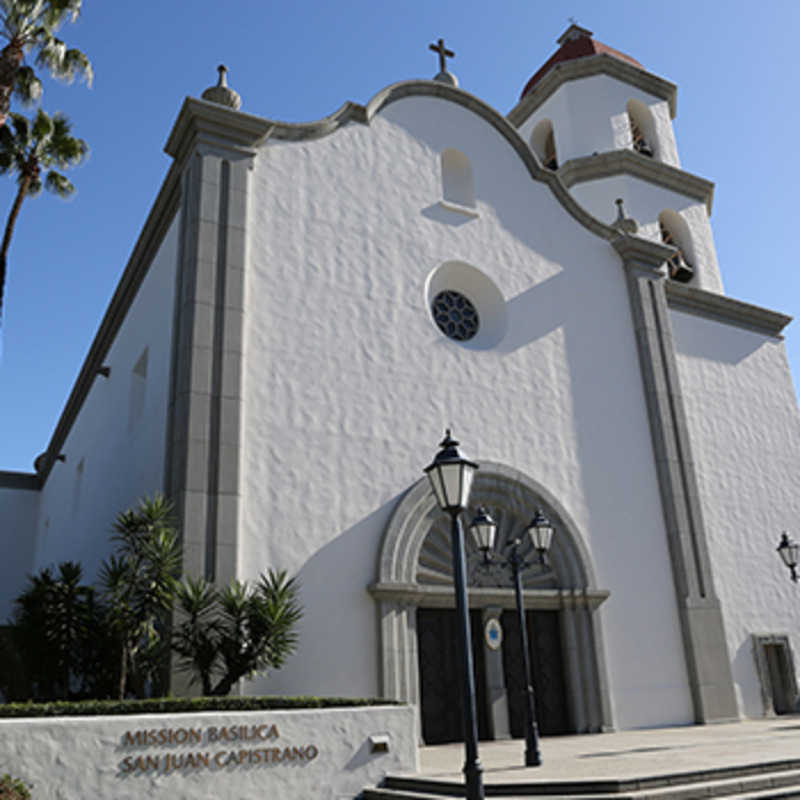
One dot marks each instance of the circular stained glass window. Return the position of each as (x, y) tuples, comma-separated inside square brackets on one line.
[(455, 315)]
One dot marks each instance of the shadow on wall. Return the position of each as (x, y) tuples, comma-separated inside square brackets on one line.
[(715, 342), (438, 213), (339, 628), (525, 327)]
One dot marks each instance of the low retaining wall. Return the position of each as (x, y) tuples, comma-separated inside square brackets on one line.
[(315, 754)]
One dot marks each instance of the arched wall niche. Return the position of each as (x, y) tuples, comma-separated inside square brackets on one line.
[(543, 143), (674, 231), (458, 185), (643, 129), (413, 571)]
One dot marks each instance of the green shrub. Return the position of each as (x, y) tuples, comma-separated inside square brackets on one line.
[(13, 789), (174, 705)]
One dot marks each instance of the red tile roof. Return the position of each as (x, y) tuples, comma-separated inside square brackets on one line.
[(575, 48)]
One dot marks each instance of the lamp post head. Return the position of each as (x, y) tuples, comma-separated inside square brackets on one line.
[(483, 529), (541, 532), (789, 551), (451, 476)]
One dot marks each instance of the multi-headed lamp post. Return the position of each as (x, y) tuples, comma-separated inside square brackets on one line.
[(540, 532), (451, 477), (789, 551)]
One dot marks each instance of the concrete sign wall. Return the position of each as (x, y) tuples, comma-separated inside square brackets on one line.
[(325, 754)]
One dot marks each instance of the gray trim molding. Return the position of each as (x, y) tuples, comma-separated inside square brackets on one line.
[(28, 481), (602, 63), (429, 596), (705, 646), (725, 309), (760, 641), (398, 593), (629, 162)]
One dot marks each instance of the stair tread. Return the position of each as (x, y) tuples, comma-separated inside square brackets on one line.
[(750, 784)]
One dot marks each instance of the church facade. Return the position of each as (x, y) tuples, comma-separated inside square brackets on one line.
[(308, 307)]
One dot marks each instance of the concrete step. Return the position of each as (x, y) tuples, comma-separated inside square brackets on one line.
[(756, 781)]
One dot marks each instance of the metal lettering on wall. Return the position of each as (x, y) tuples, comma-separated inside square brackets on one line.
[(255, 753)]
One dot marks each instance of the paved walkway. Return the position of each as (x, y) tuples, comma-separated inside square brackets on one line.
[(627, 754)]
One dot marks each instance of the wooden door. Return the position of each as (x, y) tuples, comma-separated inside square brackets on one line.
[(440, 675)]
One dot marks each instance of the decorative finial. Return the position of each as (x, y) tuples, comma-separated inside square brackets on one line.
[(448, 440), (222, 93), (622, 223), (443, 76), (574, 31)]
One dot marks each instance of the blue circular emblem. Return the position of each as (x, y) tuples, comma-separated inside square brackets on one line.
[(493, 633)]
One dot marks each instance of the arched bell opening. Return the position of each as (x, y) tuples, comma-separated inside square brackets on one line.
[(643, 129), (675, 233), (543, 143), (415, 601)]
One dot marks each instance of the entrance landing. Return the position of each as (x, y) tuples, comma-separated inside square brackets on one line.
[(753, 758)]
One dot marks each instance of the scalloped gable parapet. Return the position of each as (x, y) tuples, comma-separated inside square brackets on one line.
[(202, 122)]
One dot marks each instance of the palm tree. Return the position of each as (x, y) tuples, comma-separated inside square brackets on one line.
[(25, 150), (51, 631), (30, 26), (139, 583), (235, 632)]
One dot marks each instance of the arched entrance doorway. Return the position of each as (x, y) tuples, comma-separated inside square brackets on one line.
[(414, 596)]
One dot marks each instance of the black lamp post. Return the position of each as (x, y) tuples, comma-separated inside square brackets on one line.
[(789, 551), (451, 477), (540, 532)]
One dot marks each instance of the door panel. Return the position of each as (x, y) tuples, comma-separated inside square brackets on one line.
[(440, 675), (549, 687)]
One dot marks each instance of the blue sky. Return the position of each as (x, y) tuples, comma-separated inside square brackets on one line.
[(735, 64)]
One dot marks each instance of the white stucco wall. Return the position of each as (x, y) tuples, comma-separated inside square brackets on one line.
[(644, 201), (589, 115), (18, 513), (74, 758), (745, 431), (119, 434), (349, 385)]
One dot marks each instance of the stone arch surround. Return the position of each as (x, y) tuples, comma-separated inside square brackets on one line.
[(575, 596)]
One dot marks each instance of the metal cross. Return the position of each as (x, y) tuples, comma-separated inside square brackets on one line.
[(444, 54), (572, 20)]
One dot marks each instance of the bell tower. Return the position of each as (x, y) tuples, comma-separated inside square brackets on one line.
[(597, 118), (598, 99)]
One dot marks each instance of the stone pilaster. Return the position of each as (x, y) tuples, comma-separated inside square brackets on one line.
[(705, 647), (205, 413)]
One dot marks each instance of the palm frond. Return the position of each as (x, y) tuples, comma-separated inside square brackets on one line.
[(42, 126), (74, 65), (58, 184), (51, 52), (21, 128), (27, 88)]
